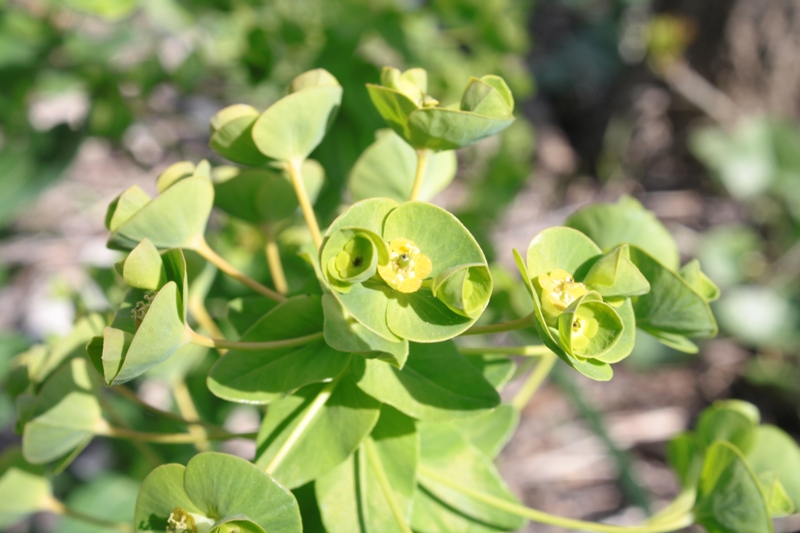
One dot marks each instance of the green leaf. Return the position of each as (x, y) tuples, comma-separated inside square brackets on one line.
[(143, 268), (265, 375), (439, 508), (436, 383), (395, 108), (244, 312), (110, 496), (491, 431), (178, 171), (350, 497), (388, 166), (496, 369), (24, 489), (176, 218), (671, 306), (412, 83), (449, 129), (560, 248), (627, 222), (775, 452), (332, 434), (731, 421), (489, 96), (778, 501), (65, 414), (218, 487), (232, 135), (293, 126), (729, 497), (685, 458), (615, 276), (698, 281), (124, 206), (465, 289), (347, 335)]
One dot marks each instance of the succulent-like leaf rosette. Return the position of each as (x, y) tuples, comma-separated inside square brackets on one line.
[(582, 299), (486, 108), (406, 272), (150, 325)]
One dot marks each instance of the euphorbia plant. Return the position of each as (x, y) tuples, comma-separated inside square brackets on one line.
[(378, 418)]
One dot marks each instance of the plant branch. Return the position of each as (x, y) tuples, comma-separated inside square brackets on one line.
[(273, 255), (130, 395), (547, 518), (187, 408), (520, 323), (169, 438), (386, 487), (301, 427), (419, 175), (293, 167), (534, 381), (212, 257), (534, 350), (202, 340)]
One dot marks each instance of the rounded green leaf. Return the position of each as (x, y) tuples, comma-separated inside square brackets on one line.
[(774, 452), (263, 376), (489, 96), (174, 219), (24, 489), (395, 108), (232, 135), (615, 276), (143, 268), (729, 496), (560, 248), (174, 173), (388, 166), (124, 206), (65, 414), (450, 129), (465, 289), (627, 222), (293, 126), (216, 488), (436, 383)]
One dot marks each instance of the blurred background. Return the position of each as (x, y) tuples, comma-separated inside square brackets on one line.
[(692, 107)]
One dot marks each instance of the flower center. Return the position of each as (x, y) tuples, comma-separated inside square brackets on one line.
[(407, 266), (559, 290), (182, 521), (141, 308)]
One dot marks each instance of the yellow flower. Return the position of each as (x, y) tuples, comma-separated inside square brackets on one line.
[(584, 327), (407, 266), (559, 290)]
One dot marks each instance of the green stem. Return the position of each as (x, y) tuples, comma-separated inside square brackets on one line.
[(547, 518), (502, 327), (130, 395), (301, 427), (169, 438), (386, 487), (202, 340), (419, 175), (187, 408), (60, 508), (535, 350), (534, 381), (293, 168), (215, 259), (273, 255)]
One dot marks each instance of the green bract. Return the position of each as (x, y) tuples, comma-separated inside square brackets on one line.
[(24, 489), (293, 126), (582, 299), (486, 108), (176, 218), (416, 249), (150, 325), (213, 492)]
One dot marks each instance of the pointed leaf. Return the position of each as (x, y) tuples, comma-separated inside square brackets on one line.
[(143, 268), (698, 281), (615, 276)]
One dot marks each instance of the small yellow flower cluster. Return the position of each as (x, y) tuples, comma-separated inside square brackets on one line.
[(407, 266), (559, 290)]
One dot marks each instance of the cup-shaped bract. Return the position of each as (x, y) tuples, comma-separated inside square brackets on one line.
[(263, 195), (150, 325), (176, 218), (413, 245), (292, 127), (232, 135), (486, 108), (212, 493), (582, 299)]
